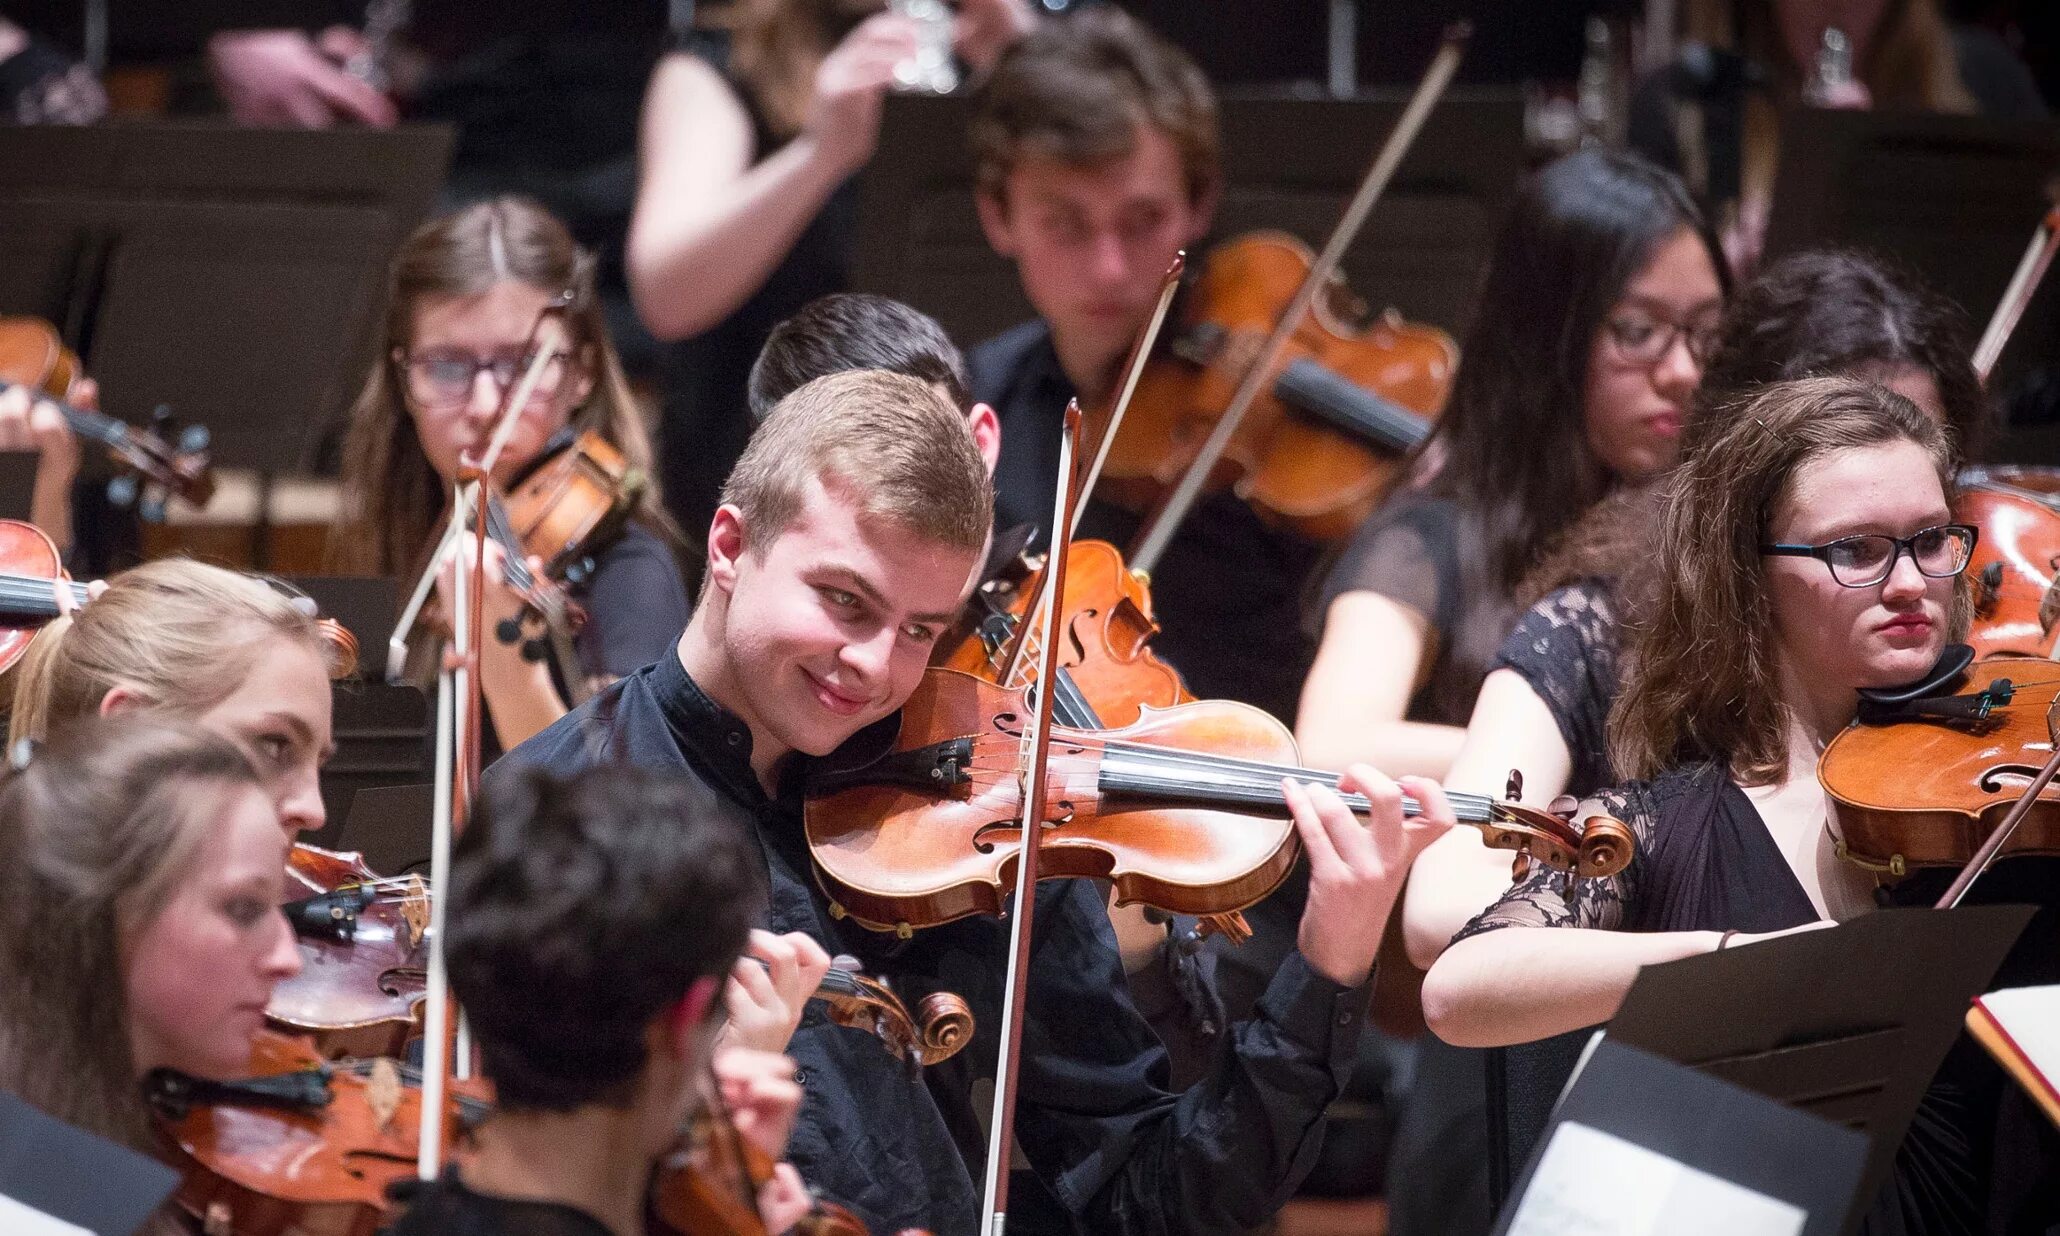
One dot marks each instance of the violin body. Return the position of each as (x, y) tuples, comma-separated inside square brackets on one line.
[(25, 552), (571, 503), (1926, 793), (2015, 558), (1105, 631), (894, 854), (285, 1170), (1327, 433), (360, 993)]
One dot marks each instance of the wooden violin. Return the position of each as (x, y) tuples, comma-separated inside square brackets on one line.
[(363, 968), (30, 568), (709, 1186), (301, 1145), (941, 1024), (32, 355), (571, 502), (1925, 785), (915, 822), (1337, 412), (2016, 557)]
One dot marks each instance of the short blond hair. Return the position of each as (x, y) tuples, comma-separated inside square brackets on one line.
[(893, 443)]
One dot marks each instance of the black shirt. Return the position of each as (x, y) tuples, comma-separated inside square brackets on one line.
[(447, 1208), (1228, 591), (1117, 1151)]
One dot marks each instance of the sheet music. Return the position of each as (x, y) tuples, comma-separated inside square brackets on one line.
[(19, 1220), (1591, 1183)]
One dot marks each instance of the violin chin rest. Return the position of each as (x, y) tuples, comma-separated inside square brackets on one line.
[(1946, 672)]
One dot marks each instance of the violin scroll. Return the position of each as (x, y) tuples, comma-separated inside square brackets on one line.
[(1600, 847), (946, 1023)]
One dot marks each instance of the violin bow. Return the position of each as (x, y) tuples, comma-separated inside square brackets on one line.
[(458, 720), (1165, 521), (2024, 284), (1037, 747), (2000, 836)]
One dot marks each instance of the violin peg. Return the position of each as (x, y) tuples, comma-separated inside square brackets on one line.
[(1564, 806), (1606, 846), (1513, 788)]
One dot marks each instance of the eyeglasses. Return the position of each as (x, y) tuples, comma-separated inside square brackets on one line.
[(445, 379), (1863, 561), (1642, 339)]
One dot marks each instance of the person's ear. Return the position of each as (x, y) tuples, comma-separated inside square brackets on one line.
[(684, 1020), (984, 423), (996, 223), (725, 546), (122, 699)]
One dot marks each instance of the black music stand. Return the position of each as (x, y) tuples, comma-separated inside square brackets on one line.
[(236, 274), (63, 1173), (1955, 198), (1289, 163), (1711, 1158), (389, 825), (1848, 1023), (382, 739)]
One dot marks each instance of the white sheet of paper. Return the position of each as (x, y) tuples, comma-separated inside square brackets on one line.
[(17, 1219), (1592, 1183)]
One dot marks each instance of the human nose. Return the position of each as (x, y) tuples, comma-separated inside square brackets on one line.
[(1904, 580), (282, 957), (1677, 373), (300, 803), (869, 657), (1109, 259)]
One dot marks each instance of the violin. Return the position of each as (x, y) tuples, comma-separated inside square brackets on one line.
[(1109, 675), (1266, 305), (1924, 781), (32, 355), (941, 1025), (363, 972), (2016, 558), (1327, 430), (300, 1145), (915, 822), (571, 502), (709, 1186), (30, 568)]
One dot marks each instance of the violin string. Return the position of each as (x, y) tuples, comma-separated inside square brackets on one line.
[(1471, 808)]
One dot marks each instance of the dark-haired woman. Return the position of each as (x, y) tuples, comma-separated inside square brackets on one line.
[(142, 867), (1600, 304), (466, 292), (1814, 530)]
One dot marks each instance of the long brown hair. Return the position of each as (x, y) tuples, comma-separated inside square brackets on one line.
[(776, 47), (1702, 683), (391, 495), (179, 632), (1908, 61), (96, 833)]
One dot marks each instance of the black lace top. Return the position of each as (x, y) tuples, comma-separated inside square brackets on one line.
[(1566, 648)]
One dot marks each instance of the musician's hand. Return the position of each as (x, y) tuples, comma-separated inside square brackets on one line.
[(783, 1200), (29, 424), (500, 600), (984, 29), (765, 1001), (280, 78), (1356, 867), (760, 1094), (844, 116)]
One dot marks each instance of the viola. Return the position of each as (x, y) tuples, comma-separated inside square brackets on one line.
[(300, 1145), (30, 568), (2016, 558), (363, 972), (915, 822), (1927, 780), (1339, 410), (32, 355)]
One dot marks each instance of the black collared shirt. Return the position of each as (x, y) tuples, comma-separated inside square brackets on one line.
[(1229, 591), (1118, 1152)]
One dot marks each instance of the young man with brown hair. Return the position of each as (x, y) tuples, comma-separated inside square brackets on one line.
[(850, 533), (1095, 144)]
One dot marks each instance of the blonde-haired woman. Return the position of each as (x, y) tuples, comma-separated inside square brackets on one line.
[(225, 650), (141, 871), (465, 294)]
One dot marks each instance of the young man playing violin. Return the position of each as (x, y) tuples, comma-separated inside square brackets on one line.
[(1095, 145), (850, 534), (600, 1056)]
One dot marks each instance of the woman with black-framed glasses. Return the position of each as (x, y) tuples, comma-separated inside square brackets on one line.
[(1805, 553), (466, 291)]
